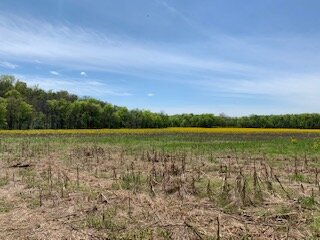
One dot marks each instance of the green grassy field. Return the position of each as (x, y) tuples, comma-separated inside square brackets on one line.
[(198, 143)]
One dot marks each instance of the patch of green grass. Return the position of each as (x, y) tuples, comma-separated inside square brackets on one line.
[(130, 181), (4, 206), (30, 177), (315, 227), (196, 143), (3, 181), (105, 220), (73, 186), (308, 202), (34, 203), (206, 187), (299, 177)]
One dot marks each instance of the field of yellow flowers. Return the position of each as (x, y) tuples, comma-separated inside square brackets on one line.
[(160, 131)]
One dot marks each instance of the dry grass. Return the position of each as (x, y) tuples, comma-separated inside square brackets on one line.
[(103, 191)]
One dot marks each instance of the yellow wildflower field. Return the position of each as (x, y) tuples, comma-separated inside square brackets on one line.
[(160, 131)]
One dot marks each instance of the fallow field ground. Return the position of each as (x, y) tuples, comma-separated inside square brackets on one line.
[(160, 184)]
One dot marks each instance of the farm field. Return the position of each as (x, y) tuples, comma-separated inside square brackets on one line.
[(175, 183)]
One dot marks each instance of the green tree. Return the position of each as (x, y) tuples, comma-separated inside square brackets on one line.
[(57, 112), (3, 113), (19, 113), (107, 116), (91, 113), (6, 84)]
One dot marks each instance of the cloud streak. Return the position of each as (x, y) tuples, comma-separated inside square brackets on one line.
[(8, 65), (88, 87), (55, 73)]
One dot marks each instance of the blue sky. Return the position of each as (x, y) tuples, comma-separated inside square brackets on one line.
[(209, 56)]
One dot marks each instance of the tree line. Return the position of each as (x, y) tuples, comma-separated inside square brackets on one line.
[(25, 107)]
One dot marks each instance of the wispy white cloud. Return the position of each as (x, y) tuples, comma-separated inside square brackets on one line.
[(8, 65), (54, 73), (284, 85), (174, 11), (78, 48), (150, 94), (88, 87), (298, 92), (84, 74)]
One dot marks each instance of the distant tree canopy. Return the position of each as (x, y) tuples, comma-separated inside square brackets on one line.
[(23, 107)]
